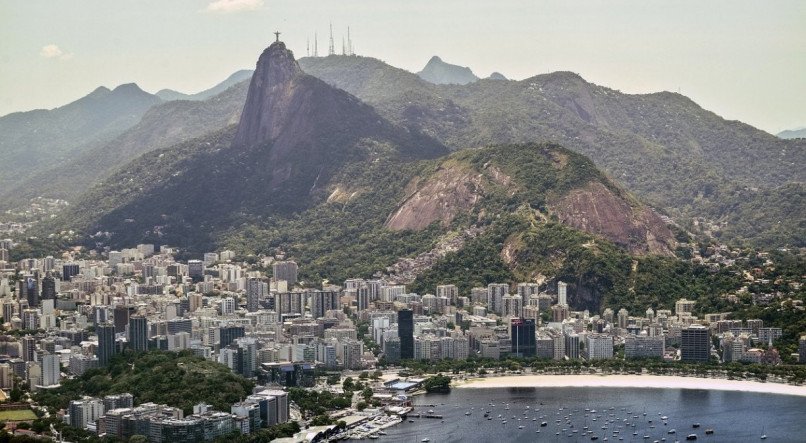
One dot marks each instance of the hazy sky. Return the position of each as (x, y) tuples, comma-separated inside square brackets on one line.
[(745, 60)]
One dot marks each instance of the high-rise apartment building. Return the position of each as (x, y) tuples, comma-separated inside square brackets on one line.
[(405, 331)]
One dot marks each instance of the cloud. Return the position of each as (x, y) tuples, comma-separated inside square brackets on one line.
[(226, 6), (55, 52)]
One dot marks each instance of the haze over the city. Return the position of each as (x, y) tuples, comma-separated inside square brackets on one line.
[(743, 60)]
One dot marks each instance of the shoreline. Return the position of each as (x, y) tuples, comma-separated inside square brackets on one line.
[(630, 381)]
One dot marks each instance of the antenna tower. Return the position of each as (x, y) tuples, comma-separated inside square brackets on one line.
[(315, 45), (331, 50)]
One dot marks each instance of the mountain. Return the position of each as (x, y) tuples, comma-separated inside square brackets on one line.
[(441, 73), (793, 133), (496, 76), (161, 126), (295, 133), (33, 141), (234, 79), (312, 171), (644, 141)]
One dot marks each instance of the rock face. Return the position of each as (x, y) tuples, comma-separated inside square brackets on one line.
[(597, 210), (270, 92), (441, 73), (450, 191)]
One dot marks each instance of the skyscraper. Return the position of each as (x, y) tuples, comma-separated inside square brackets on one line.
[(196, 270), (405, 331), (695, 344), (106, 343), (524, 342), (138, 333), (48, 287), (29, 290)]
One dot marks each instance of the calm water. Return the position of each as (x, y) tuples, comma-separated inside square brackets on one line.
[(734, 416)]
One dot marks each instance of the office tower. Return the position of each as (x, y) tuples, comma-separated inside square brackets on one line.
[(285, 270), (522, 334), (138, 333), (29, 290), (802, 349), (48, 288), (121, 315), (69, 271), (106, 343), (695, 343), (405, 331), (228, 334), (196, 270), (256, 290), (562, 293)]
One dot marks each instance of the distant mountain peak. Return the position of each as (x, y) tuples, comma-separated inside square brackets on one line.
[(497, 76), (129, 88), (439, 72)]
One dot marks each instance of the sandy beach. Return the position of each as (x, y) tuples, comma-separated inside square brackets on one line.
[(631, 381)]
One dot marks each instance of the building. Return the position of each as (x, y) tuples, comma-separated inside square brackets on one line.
[(256, 290), (695, 343), (229, 333), (391, 349), (802, 349), (644, 346), (138, 333), (562, 293), (323, 301), (51, 372), (69, 270), (285, 270), (106, 343), (48, 288), (683, 306), (522, 333), (84, 412), (572, 346), (599, 346), (196, 270), (405, 332)]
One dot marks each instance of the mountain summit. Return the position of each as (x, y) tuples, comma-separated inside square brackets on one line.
[(442, 73), (269, 93)]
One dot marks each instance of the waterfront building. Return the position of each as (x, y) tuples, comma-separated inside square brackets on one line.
[(405, 332), (522, 334), (695, 343)]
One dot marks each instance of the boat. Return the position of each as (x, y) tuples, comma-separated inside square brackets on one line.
[(695, 425), (411, 421), (425, 440), (382, 432), (373, 436), (709, 431), (594, 438), (467, 413), (543, 424), (763, 434), (671, 431), (520, 427), (691, 437)]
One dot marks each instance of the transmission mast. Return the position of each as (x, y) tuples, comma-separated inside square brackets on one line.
[(331, 50)]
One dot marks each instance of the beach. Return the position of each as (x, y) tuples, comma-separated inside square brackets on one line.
[(631, 381)]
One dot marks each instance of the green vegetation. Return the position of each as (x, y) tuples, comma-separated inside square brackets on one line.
[(177, 379), (263, 435), (438, 383), (17, 415), (315, 403)]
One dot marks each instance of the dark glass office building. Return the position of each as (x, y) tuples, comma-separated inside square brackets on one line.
[(106, 343), (524, 342), (138, 333), (405, 331)]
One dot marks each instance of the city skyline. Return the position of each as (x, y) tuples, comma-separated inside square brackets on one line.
[(748, 72)]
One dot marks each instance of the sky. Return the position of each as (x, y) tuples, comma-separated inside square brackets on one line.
[(744, 60)]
